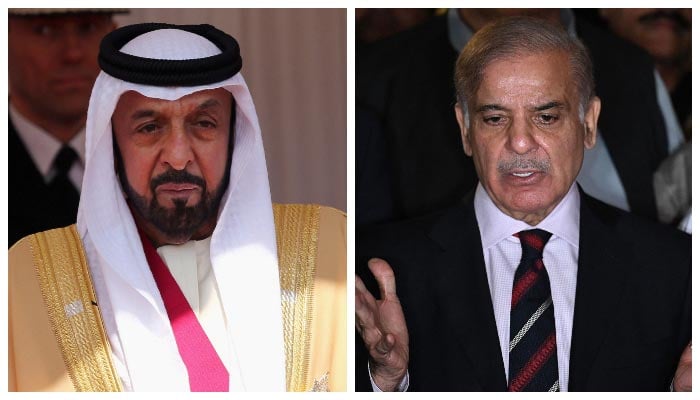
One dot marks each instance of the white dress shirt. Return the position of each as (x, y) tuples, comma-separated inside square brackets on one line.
[(43, 148), (502, 252)]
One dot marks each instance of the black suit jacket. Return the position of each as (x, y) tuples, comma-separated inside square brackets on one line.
[(32, 205), (632, 310), (407, 80)]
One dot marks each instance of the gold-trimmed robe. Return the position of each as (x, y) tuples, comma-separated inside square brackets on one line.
[(312, 257)]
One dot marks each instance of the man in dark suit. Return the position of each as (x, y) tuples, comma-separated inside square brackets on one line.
[(406, 81), (666, 33), (52, 66), (528, 283)]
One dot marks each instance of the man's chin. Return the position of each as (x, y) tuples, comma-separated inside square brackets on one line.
[(175, 240), (176, 234)]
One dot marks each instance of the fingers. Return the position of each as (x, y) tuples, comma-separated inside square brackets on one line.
[(385, 277), (687, 356), (683, 379), (367, 308), (364, 305)]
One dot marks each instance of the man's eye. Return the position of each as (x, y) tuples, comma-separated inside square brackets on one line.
[(44, 30), (547, 118), (148, 128), (87, 28), (206, 124), (494, 119)]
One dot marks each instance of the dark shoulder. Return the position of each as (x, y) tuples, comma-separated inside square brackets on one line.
[(645, 236), (408, 246), (417, 240), (404, 234)]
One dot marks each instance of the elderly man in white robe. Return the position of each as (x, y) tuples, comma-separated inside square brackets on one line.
[(180, 274)]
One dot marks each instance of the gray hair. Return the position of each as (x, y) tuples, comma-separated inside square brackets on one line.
[(514, 36)]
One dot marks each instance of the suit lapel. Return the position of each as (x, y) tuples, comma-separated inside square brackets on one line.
[(600, 283), (463, 294)]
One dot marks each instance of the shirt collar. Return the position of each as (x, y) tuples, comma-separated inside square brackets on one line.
[(495, 226), (41, 145), (189, 263), (460, 33)]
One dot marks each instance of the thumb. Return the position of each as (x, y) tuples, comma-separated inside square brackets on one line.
[(386, 344)]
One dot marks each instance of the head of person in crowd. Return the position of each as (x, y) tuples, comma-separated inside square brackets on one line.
[(52, 64), (374, 24), (477, 18), (526, 109), (665, 33)]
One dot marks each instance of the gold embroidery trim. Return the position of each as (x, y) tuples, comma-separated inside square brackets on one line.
[(70, 300), (297, 226)]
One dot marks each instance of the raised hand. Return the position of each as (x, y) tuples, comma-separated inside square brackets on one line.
[(382, 326)]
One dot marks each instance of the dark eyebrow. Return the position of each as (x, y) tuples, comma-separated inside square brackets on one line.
[(138, 114), (550, 105), (208, 104), (490, 107)]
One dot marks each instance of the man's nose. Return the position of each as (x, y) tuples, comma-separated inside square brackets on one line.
[(72, 48), (521, 137), (177, 151)]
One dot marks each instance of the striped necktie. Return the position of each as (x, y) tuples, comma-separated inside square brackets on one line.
[(533, 343)]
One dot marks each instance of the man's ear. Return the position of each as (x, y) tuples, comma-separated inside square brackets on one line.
[(463, 129), (590, 122)]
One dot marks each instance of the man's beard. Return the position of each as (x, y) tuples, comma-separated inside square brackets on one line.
[(180, 222)]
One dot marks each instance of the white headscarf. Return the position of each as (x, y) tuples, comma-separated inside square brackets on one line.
[(243, 247)]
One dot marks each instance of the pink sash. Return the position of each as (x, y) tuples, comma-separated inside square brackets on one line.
[(204, 367)]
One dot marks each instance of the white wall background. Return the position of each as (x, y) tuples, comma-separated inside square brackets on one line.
[(294, 61)]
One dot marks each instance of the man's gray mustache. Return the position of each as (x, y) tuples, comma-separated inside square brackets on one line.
[(521, 163)]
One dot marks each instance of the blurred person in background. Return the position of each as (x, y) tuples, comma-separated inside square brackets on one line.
[(666, 34), (373, 24), (52, 65)]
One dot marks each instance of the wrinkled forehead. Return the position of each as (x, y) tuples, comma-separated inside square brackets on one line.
[(524, 62), (548, 71)]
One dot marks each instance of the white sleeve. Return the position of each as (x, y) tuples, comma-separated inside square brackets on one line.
[(403, 386)]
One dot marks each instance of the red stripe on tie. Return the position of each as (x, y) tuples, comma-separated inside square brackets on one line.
[(533, 241), (526, 282), (522, 286), (205, 370), (533, 365)]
